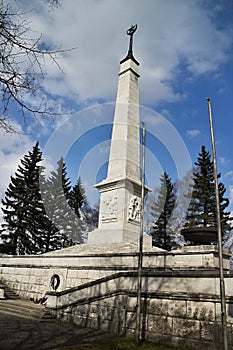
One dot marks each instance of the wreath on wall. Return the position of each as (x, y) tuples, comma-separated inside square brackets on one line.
[(55, 281)]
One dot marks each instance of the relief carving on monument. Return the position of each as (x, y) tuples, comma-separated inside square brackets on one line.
[(134, 212), (109, 209)]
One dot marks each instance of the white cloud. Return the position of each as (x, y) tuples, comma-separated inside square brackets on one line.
[(231, 193), (229, 175), (224, 160), (192, 133), (166, 113), (168, 33)]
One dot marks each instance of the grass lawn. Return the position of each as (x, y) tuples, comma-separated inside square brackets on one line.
[(119, 344)]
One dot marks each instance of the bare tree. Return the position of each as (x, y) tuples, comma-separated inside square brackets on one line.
[(21, 64)]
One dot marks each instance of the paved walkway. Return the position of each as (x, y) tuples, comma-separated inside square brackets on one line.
[(21, 333)]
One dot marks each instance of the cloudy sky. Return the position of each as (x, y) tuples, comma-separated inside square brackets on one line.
[(185, 52)]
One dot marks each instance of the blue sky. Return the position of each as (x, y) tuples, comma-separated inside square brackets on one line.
[(185, 52)]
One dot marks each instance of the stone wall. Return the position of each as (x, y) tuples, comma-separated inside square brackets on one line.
[(30, 275), (179, 318), (180, 290)]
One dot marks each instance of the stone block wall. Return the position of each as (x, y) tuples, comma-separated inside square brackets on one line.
[(180, 291), (181, 319), (30, 275)]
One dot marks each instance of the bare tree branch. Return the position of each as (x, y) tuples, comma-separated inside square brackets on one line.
[(21, 63)]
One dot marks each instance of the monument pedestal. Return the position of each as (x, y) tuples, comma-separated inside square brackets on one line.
[(120, 212), (104, 236)]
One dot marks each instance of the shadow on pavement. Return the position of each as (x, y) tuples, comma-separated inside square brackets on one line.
[(18, 333)]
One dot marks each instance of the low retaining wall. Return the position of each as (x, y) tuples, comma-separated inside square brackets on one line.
[(180, 290), (30, 275), (181, 318)]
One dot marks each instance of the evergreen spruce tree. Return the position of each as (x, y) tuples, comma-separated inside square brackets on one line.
[(51, 237), (202, 208), (162, 211), (77, 197), (76, 201), (56, 195), (24, 215)]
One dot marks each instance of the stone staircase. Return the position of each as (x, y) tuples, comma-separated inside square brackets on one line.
[(9, 293), (11, 304), (25, 309)]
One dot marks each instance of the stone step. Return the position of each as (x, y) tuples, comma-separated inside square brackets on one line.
[(25, 309), (9, 293)]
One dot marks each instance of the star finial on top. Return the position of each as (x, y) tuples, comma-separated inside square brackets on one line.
[(130, 55)]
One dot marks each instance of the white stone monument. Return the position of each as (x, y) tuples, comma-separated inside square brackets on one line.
[(120, 192)]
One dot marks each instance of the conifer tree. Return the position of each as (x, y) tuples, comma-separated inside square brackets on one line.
[(24, 215), (51, 237), (77, 197), (162, 211), (76, 201), (56, 194), (202, 209)]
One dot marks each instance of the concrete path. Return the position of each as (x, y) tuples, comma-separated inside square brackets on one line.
[(20, 330)]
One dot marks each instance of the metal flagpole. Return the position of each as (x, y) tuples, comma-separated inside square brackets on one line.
[(221, 274), (139, 284)]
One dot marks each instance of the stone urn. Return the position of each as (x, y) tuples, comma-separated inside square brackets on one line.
[(201, 235)]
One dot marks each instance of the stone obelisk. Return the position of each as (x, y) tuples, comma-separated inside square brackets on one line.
[(120, 192)]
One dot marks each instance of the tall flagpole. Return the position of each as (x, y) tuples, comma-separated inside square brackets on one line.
[(221, 273), (139, 284)]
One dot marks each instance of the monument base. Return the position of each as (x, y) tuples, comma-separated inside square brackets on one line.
[(107, 236)]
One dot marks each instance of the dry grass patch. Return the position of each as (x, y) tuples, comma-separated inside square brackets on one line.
[(119, 344)]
